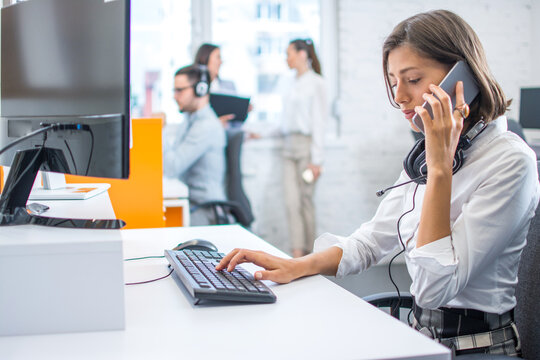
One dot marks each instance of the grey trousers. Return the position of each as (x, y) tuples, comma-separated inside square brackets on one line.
[(298, 193)]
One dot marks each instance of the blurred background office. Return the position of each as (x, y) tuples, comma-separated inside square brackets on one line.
[(366, 138)]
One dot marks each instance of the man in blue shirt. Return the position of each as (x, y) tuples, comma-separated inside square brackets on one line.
[(196, 155)]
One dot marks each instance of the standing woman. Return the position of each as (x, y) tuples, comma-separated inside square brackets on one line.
[(304, 118)]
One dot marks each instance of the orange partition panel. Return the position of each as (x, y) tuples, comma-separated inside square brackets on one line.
[(138, 200), (173, 216)]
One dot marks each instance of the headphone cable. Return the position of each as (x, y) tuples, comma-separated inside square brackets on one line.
[(403, 248)]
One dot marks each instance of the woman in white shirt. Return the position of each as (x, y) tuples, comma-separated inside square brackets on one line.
[(303, 121), (462, 233)]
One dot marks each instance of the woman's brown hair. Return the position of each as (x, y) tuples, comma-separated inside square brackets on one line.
[(447, 38), (203, 53), (307, 46)]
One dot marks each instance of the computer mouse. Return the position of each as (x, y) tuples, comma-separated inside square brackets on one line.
[(196, 244)]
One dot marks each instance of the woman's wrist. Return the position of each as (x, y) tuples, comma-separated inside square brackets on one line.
[(325, 263), (438, 173), (302, 266)]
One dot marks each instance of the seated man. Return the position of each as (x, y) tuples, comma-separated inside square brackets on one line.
[(196, 155)]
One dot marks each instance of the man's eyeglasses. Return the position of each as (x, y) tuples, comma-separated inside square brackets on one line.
[(179, 90)]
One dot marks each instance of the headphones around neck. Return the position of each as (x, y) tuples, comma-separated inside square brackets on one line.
[(415, 162), (202, 87)]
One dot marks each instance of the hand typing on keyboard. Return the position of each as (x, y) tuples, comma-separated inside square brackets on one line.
[(276, 269), (196, 269)]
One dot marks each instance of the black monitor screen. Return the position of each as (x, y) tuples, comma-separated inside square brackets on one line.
[(68, 61), (529, 108)]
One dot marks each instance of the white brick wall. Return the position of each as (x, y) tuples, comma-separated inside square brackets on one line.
[(376, 137)]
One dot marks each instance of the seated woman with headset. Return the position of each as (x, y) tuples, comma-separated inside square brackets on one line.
[(463, 231)]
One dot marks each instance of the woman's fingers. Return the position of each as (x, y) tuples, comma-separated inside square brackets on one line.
[(279, 276), (461, 107), (239, 256), (224, 119), (226, 259), (460, 94), (424, 115), (444, 100), (276, 269), (435, 104)]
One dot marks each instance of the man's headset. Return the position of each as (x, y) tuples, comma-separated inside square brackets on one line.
[(202, 86)]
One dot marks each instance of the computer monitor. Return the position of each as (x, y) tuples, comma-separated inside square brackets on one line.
[(529, 108), (65, 68)]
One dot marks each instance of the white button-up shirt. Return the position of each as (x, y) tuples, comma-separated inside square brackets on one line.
[(494, 197), (305, 111)]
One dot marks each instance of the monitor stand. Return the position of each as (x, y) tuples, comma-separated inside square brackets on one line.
[(18, 186), (55, 188)]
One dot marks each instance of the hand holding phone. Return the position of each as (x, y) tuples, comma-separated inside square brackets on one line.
[(459, 72)]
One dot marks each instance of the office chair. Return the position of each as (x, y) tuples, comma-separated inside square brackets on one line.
[(237, 209), (516, 128), (527, 317)]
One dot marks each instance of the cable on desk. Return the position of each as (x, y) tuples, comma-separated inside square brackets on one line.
[(149, 281)]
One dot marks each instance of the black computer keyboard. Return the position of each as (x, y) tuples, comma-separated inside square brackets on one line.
[(196, 270)]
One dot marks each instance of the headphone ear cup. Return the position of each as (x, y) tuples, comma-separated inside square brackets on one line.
[(415, 161), (201, 88)]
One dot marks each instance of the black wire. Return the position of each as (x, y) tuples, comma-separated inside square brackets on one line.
[(91, 150), (145, 257), (149, 281), (43, 130), (392, 311), (72, 157), (25, 137)]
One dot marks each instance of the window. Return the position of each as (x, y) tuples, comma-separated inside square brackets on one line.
[(160, 44), (253, 36)]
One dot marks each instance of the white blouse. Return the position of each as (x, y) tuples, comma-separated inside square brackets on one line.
[(494, 197), (305, 111)]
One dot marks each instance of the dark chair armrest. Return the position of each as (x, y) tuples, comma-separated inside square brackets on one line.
[(390, 300), (210, 204), (231, 206)]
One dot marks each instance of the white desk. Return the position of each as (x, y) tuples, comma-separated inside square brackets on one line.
[(312, 318), (98, 206)]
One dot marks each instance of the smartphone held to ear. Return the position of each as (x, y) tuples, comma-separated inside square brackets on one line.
[(459, 72)]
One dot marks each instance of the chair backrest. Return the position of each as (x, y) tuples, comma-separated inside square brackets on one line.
[(516, 128), (234, 189), (528, 291)]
